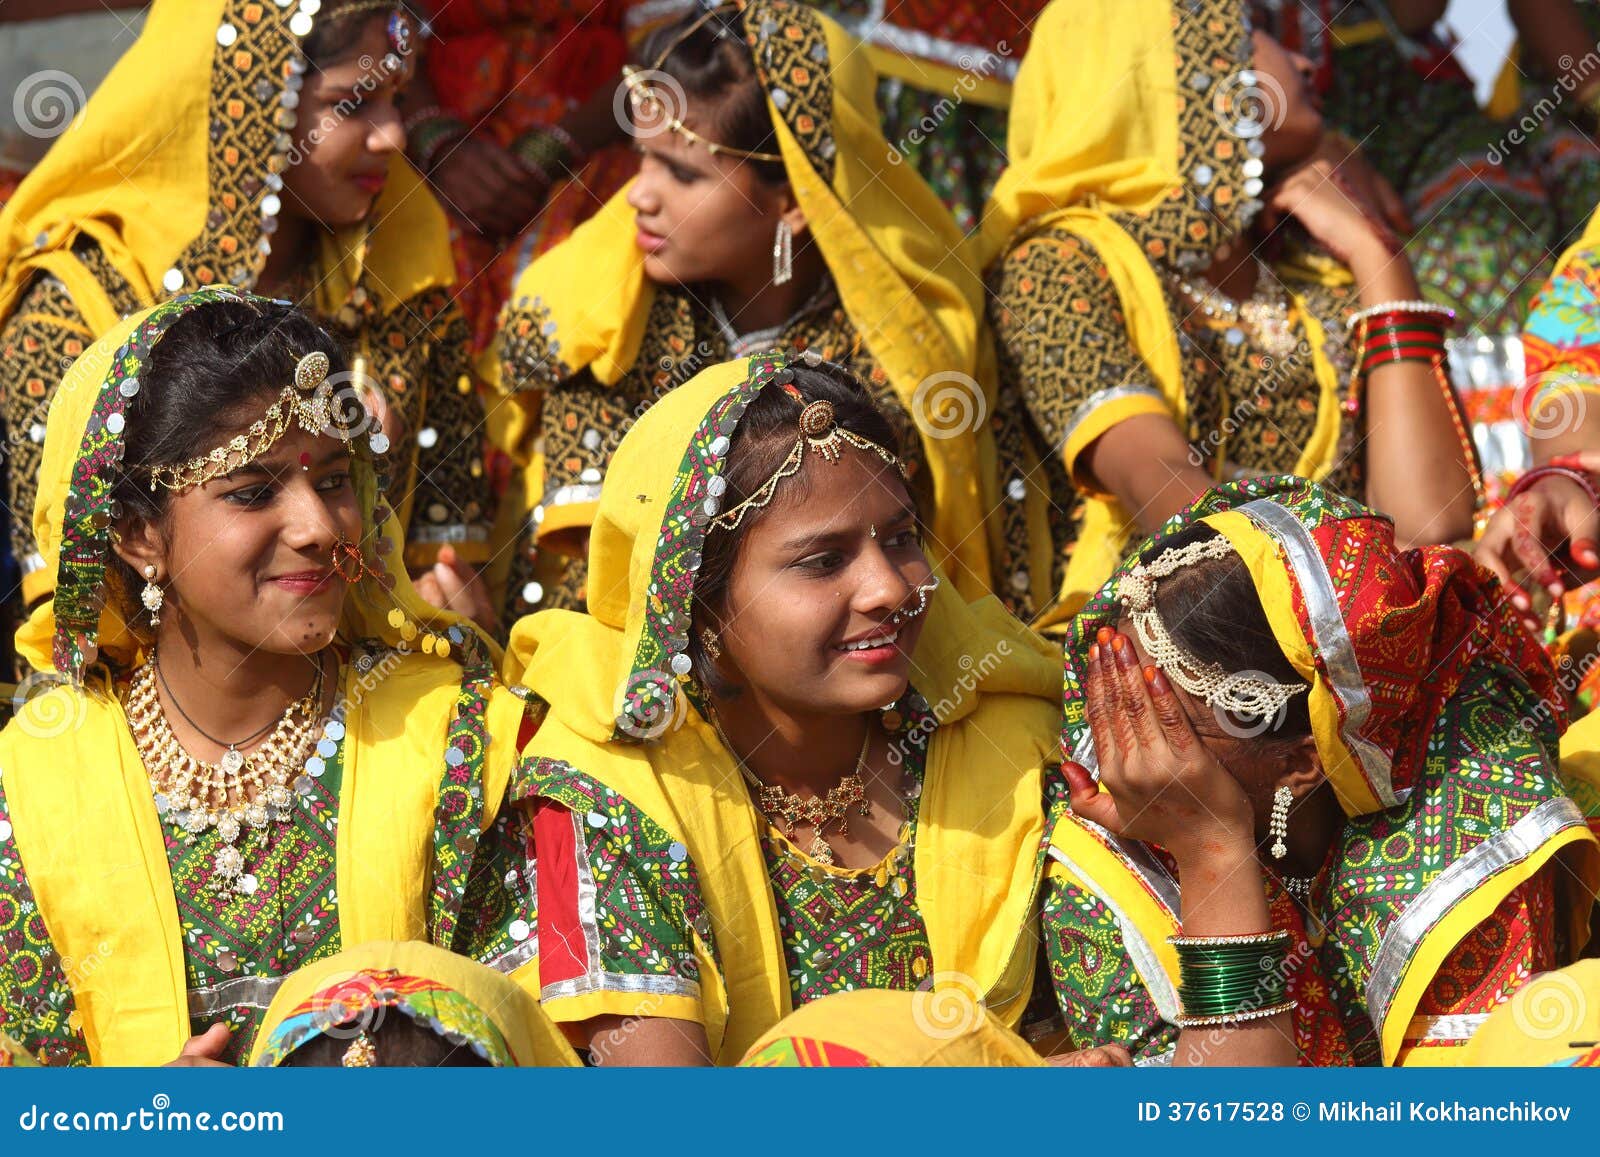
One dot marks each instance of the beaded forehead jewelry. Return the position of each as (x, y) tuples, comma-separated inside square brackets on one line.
[(306, 402), (821, 434), (649, 104), (1238, 693)]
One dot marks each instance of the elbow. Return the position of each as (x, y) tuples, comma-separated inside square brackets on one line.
[(1447, 524)]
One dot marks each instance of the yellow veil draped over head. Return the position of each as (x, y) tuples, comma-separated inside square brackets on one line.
[(420, 782), (175, 168), (471, 1004), (894, 252), (621, 711), (1131, 128)]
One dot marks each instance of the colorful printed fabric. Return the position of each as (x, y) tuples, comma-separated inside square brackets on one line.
[(237, 951), (792, 1052), (842, 929), (357, 998), (1098, 990), (1435, 716)]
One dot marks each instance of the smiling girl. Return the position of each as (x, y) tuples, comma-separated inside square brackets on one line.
[(769, 213), (253, 742), (784, 759), (254, 145)]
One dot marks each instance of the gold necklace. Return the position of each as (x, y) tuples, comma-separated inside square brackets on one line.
[(789, 809), (1265, 313), (237, 793)]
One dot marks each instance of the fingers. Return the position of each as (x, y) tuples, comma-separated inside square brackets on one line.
[(1102, 1057), (209, 1044), (1390, 204), (1175, 726), (1493, 553), (1087, 800), (1586, 460), (1135, 696), (1100, 707), (1528, 533), (1580, 526)]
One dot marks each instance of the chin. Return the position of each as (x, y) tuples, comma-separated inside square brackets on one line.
[(661, 272)]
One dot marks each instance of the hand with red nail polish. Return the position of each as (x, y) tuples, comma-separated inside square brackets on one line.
[(1162, 784), (1547, 534)]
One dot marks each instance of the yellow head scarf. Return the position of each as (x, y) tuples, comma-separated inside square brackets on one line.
[(873, 1026), (417, 743), (894, 251), (1129, 129), (618, 713), (175, 166), (490, 1014)]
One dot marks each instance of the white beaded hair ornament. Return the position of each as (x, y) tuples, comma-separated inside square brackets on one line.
[(1241, 693)]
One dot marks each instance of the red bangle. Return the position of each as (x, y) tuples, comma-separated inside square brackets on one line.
[(1533, 476)]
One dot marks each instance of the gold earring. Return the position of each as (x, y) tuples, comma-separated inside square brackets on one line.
[(152, 596), (708, 640)]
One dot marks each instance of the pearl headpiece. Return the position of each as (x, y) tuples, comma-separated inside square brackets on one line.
[(1239, 693)]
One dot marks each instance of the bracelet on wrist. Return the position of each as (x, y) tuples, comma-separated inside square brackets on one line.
[(1235, 1017), (545, 153), (429, 137), (1404, 307), (1538, 473)]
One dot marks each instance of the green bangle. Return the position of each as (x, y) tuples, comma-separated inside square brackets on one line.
[(544, 152)]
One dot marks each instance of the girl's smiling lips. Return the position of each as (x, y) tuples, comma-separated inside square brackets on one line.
[(305, 582)]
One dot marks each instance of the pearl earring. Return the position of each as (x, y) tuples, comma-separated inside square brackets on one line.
[(152, 596), (1278, 822)]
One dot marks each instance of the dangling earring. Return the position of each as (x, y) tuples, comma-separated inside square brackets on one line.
[(1278, 822), (889, 716), (152, 596), (782, 254), (872, 531), (708, 640)]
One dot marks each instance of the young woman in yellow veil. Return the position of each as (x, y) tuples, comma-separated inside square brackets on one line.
[(784, 759), (255, 145), (1174, 274), (768, 213), (447, 1011), (251, 741)]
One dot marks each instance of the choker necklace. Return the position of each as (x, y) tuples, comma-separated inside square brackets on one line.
[(236, 793), (788, 809), (1265, 313)]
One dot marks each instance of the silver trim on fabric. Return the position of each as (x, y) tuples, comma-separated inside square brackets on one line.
[(1453, 885), (30, 562), (241, 992), (570, 495), (596, 979), (1458, 1026), (968, 58), (1332, 640), (1140, 950), (1099, 398), (450, 532), (515, 957)]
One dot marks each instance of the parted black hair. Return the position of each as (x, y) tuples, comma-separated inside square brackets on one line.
[(334, 35), (1212, 611), (717, 71)]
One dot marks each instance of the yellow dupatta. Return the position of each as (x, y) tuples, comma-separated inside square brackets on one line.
[(892, 248), (490, 1014), (90, 838), (618, 715), (174, 170), (1119, 135)]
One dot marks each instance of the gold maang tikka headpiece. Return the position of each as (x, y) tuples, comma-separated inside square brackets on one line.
[(647, 102), (1242, 693), (306, 402), (819, 433)]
